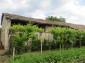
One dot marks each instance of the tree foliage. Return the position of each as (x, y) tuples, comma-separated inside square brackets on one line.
[(64, 37), (53, 18), (20, 35), (68, 37)]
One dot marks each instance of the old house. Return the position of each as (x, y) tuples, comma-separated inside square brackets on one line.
[(11, 19)]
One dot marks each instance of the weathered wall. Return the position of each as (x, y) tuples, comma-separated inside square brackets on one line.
[(47, 28), (47, 36), (6, 23), (0, 34)]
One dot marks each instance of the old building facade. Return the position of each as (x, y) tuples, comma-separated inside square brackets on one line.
[(10, 19)]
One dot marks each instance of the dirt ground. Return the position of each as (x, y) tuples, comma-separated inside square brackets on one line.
[(3, 57)]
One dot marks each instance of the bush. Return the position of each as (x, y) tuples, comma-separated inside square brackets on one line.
[(67, 37), (20, 36), (64, 38)]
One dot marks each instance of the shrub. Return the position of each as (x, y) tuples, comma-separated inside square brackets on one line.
[(67, 37), (20, 36), (64, 56)]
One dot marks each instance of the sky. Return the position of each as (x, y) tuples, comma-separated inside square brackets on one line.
[(72, 10)]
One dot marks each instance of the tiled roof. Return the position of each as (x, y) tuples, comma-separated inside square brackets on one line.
[(42, 21)]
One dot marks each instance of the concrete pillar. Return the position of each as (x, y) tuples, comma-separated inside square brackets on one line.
[(6, 23)]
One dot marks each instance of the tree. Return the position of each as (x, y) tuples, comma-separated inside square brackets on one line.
[(53, 18), (42, 40), (79, 37), (18, 41), (21, 34), (64, 36), (58, 35)]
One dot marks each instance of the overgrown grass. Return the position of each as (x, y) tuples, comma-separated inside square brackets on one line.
[(75, 55)]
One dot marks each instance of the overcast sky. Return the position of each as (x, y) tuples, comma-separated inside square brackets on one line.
[(72, 10)]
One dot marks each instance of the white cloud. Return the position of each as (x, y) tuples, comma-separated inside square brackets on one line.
[(73, 19), (72, 11), (45, 4), (13, 4), (75, 8), (69, 9), (38, 14)]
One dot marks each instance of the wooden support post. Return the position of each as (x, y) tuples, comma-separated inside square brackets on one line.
[(13, 52)]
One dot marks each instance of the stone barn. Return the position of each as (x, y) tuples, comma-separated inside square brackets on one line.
[(10, 19)]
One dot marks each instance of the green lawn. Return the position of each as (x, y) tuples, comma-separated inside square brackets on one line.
[(75, 55)]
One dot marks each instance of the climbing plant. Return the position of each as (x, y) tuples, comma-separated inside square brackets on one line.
[(21, 34), (67, 37)]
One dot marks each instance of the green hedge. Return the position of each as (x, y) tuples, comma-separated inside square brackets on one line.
[(23, 38), (64, 38), (74, 55), (67, 37)]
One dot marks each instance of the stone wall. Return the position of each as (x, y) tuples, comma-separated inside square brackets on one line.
[(0, 34), (46, 36), (47, 28), (1, 46), (6, 23)]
